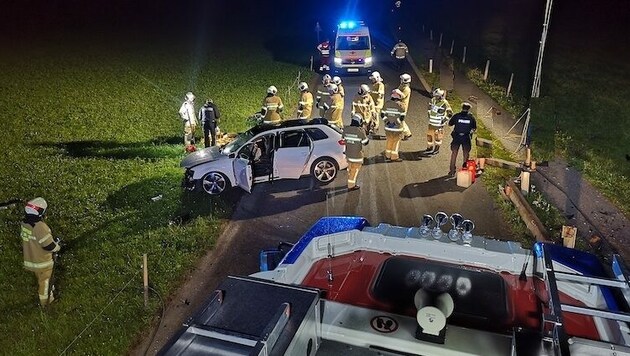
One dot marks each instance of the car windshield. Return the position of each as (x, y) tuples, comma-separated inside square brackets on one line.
[(352, 43), (239, 141)]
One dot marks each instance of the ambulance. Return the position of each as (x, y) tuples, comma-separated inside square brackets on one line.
[(353, 48)]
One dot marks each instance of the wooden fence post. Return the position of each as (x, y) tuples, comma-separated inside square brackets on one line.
[(452, 46), (440, 43), (430, 65), (485, 73), (464, 55), (145, 279), (509, 87)]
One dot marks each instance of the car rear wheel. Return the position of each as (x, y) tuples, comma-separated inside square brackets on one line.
[(324, 170), (214, 183)]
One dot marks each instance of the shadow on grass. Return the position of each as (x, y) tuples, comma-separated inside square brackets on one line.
[(161, 147), (430, 188)]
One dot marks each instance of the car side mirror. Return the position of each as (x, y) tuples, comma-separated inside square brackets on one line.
[(232, 155)]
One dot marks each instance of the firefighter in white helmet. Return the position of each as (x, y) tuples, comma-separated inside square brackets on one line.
[(363, 104), (377, 92), (305, 105), (405, 88), (189, 119), (38, 247), (272, 107), (334, 112), (439, 113), (355, 139), (393, 114), (337, 81), (323, 95)]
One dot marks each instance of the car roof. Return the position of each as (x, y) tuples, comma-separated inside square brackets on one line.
[(288, 123)]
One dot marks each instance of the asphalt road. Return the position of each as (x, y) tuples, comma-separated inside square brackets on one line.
[(397, 193)]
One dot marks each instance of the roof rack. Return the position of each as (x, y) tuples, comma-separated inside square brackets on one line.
[(553, 325)]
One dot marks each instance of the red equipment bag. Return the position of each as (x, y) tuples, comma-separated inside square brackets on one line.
[(471, 166)]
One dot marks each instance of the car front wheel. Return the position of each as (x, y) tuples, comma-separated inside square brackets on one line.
[(214, 183), (324, 170)]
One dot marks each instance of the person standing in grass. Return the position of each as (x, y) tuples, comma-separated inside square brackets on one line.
[(38, 247), (189, 119), (305, 105), (272, 107), (465, 124), (209, 116)]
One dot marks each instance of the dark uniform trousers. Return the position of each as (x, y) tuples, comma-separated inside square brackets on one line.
[(209, 133), (463, 140)]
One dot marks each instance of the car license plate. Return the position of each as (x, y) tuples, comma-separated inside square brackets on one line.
[(353, 70)]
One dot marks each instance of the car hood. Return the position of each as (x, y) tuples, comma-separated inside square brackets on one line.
[(202, 156)]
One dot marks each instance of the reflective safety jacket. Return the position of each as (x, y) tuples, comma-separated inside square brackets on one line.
[(324, 48), (364, 105), (37, 245), (322, 97), (355, 140), (400, 50), (393, 114), (406, 90), (187, 113), (342, 91), (305, 105), (271, 108), (334, 114), (439, 112), (378, 94)]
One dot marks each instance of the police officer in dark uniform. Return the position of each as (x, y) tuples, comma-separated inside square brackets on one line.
[(209, 116), (465, 124)]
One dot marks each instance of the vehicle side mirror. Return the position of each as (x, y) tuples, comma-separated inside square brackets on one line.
[(232, 155)]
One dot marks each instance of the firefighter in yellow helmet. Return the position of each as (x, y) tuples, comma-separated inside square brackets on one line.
[(363, 104), (377, 93), (355, 139), (38, 246), (393, 114), (439, 113), (305, 105), (323, 95), (272, 107), (405, 88), (334, 113), (189, 118)]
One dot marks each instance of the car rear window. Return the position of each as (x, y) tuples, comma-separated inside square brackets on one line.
[(316, 134)]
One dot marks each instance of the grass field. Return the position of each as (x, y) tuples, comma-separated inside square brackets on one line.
[(92, 126)]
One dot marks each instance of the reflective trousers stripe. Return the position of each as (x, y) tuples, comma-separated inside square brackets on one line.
[(38, 265)]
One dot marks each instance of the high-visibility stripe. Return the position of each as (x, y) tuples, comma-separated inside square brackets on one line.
[(45, 238), (355, 160), (394, 130), (353, 139), (30, 264)]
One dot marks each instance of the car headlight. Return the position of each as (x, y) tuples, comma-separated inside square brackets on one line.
[(337, 60), (368, 60)]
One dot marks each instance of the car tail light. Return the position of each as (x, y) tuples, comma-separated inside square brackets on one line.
[(342, 142)]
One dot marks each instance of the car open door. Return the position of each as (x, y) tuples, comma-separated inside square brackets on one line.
[(293, 152), (243, 173)]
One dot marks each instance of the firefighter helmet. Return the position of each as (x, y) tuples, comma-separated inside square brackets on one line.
[(326, 79), (375, 77), (36, 206), (272, 90), (303, 86), (397, 94), (405, 78), (364, 90), (358, 118), (190, 96), (336, 80), (333, 88), (439, 93)]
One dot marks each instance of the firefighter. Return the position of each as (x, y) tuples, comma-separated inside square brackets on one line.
[(305, 105), (439, 113), (405, 88), (323, 95), (209, 116), (465, 124), (334, 112), (337, 81), (187, 114), (378, 94), (400, 52), (355, 138), (38, 246), (393, 114), (363, 104), (272, 107), (324, 55)]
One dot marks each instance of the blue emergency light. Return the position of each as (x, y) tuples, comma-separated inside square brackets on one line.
[(347, 24)]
